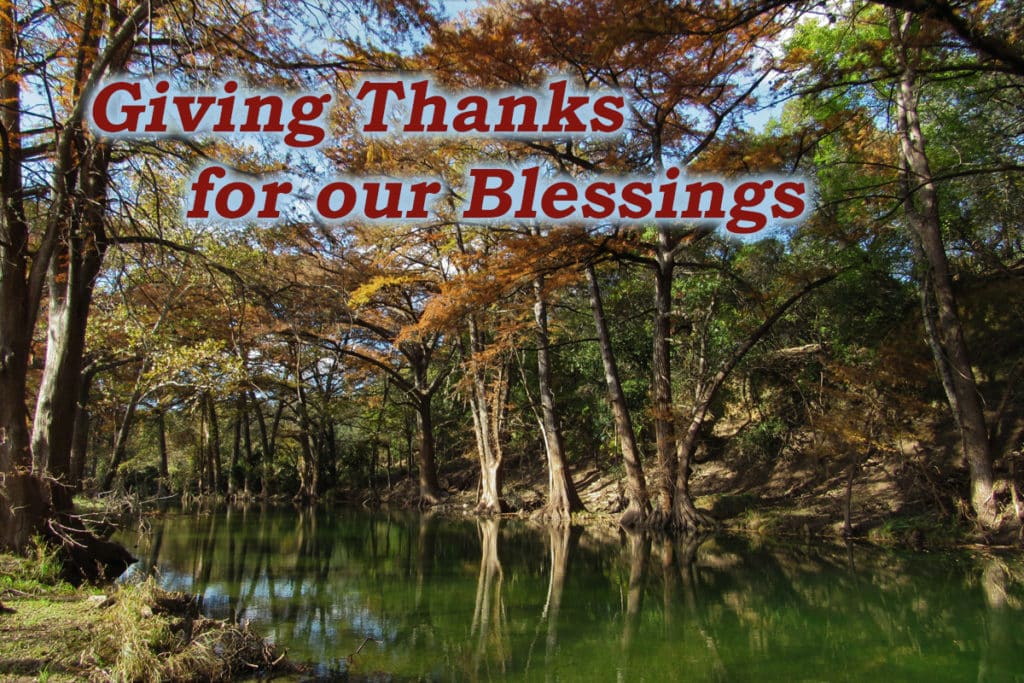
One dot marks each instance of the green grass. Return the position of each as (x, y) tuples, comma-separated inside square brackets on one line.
[(37, 573), (52, 632), (920, 531)]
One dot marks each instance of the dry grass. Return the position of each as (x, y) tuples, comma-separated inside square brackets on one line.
[(153, 635)]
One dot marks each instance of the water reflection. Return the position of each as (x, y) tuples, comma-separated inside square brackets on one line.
[(493, 599), (490, 620)]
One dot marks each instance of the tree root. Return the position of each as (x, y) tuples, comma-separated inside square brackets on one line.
[(685, 519), (430, 498), (32, 506), (489, 508)]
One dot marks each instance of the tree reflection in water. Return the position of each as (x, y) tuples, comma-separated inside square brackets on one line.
[(458, 599), (489, 616)]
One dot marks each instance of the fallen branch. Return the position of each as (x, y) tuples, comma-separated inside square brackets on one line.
[(351, 657)]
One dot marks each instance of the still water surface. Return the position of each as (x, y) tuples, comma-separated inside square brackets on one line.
[(452, 599)]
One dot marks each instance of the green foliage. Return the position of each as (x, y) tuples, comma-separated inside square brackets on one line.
[(762, 441), (40, 571)]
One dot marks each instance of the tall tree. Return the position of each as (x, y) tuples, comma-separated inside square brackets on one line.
[(912, 69), (942, 319), (637, 499), (563, 499), (61, 241)]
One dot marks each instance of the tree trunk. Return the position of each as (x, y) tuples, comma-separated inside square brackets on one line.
[(20, 285), (73, 211), (488, 404), (329, 461), (247, 441), (202, 463), (80, 432), (121, 442), (851, 471), (214, 445), (664, 428), (422, 395), (161, 442), (430, 489), (71, 278), (491, 481), (306, 467), (24, 509), (686, 516), (921, 206), (637, 502), (236, 447), (490, 499), (14, 437), (268, 443), (77, 244), (563, 500)]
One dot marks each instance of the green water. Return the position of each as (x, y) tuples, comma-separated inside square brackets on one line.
[(453, 599)]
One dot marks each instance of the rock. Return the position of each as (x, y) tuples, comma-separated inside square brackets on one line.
[(100, 601)]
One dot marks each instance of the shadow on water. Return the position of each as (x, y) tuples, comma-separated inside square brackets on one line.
[(398, 596)]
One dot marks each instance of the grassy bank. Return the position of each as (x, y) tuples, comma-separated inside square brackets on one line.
[(52, 631)]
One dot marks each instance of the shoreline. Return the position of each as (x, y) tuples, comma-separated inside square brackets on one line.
[(50, 630)]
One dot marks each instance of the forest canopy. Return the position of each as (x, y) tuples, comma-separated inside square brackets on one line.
[(558, 290)]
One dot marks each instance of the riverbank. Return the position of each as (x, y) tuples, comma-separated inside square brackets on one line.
[(889, 499), (52, 631)]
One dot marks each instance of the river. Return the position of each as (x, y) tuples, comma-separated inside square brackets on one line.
[(401, 596)]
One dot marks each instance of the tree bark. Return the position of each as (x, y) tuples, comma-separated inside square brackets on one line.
[(236, 447), (75, 244), (430, 488), (249, 464), (664, 428), (488, 394), (563, 500), (71, 278), (214, 445), (306, 467), (268, 443), (488, 451), (422, 396), (17, 317), (488, 401), (921, 206), (73, 220), (80, 435), (161, 442), (637, 502)]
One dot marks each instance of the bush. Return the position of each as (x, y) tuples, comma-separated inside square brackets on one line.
[(761, 442)]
